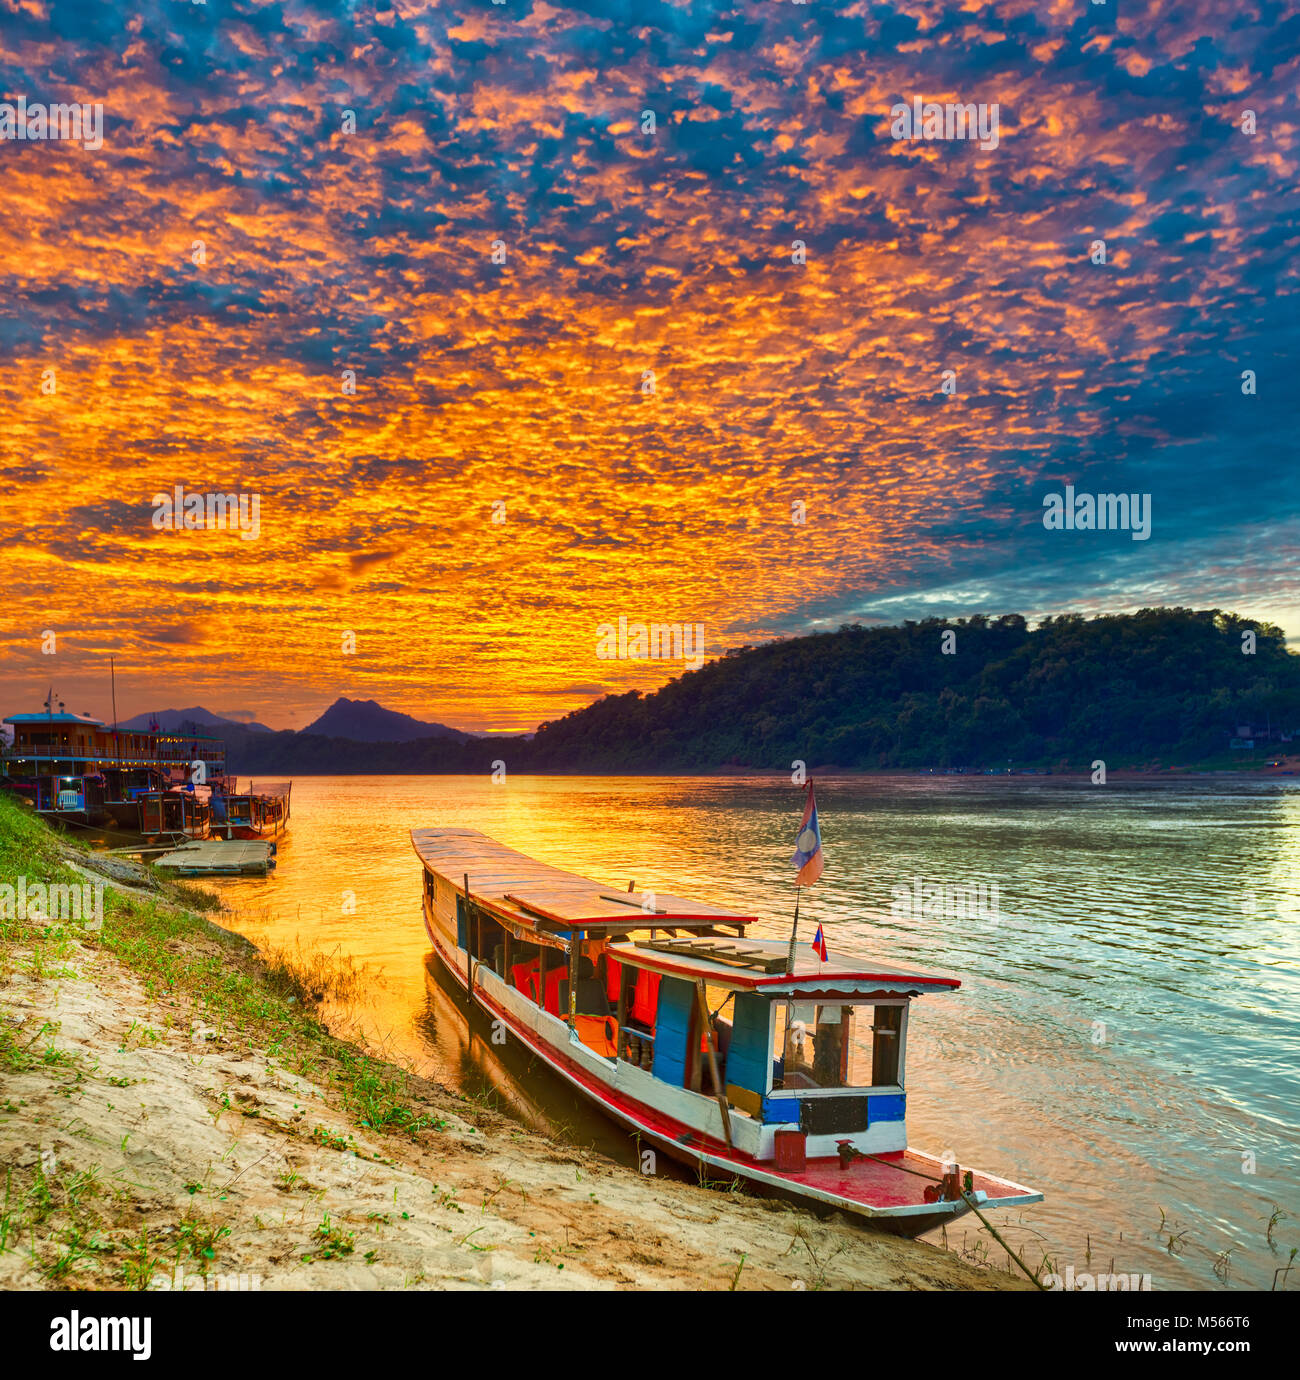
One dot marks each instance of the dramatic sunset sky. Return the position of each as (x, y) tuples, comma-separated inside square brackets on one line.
[(522, 384)]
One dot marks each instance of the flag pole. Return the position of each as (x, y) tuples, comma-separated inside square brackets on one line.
[(789, 963)]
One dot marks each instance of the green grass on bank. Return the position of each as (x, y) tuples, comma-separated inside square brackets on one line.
[(28, 846), (266, 1006), (76, 1223)]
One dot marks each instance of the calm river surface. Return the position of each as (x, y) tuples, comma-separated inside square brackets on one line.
[(1127, 1033)]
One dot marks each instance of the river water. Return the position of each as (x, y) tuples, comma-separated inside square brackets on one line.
[(1127, 1033)]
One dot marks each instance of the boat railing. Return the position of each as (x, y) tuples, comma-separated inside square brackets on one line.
[(180, 753), (73, 755), (636, 1046)]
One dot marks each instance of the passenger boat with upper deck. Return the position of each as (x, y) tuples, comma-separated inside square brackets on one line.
[(78, 770), (800, 1088)]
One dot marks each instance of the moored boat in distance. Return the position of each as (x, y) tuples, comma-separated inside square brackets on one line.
[(174, 812), (78, 770), (800, 1089), (254, 813)]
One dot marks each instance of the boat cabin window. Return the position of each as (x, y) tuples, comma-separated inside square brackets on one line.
[(886, 1043), (836, 1046)]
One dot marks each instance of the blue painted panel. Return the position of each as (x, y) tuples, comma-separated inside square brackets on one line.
[(889, 1107), (781, 1109), (672, 1024), (460, 921), (748, 1057)]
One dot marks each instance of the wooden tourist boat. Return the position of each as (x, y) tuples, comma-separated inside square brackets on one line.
[(61, 763), (253, 813), (800, 1088), (78, 770), (176, 812)]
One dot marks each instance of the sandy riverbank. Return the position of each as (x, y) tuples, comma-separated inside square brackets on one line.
[(173, 1114)]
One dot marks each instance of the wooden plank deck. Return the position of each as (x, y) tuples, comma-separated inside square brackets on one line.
[(218, 857), (502, 877)]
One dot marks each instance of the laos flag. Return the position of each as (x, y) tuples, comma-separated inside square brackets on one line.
[(808, 846)]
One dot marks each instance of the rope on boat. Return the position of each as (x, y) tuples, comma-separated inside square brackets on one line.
[(902, 1168), (993, 1231), (116, 833), (970, 1203)]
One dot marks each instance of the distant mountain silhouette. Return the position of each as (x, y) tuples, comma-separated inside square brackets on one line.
[(169, 720), (364, 721), (1160, 687)]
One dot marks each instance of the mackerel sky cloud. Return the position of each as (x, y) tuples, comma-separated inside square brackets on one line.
[(289, 192)]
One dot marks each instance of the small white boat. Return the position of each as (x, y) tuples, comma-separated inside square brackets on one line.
[(696, 1038)]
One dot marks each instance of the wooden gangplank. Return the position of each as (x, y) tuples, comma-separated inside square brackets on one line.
[(219, 857)]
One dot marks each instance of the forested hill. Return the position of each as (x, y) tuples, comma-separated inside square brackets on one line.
[(1167, 686)]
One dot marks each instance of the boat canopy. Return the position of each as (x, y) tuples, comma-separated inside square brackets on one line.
[(532, 896), (753, 965), (61, 719), (545, 898)]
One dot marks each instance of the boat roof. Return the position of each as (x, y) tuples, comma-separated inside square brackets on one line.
[(534, 895), (63, 718), (545, 897), (759, 965)]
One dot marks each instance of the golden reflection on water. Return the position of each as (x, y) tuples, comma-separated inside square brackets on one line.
[(1128, 1024)]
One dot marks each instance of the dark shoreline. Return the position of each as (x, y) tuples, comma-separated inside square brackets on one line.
[(831, 772)]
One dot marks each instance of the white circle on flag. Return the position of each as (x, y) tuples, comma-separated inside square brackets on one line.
[(807, 841)]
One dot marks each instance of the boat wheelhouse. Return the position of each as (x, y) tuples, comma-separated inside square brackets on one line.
[(666, 1014)]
